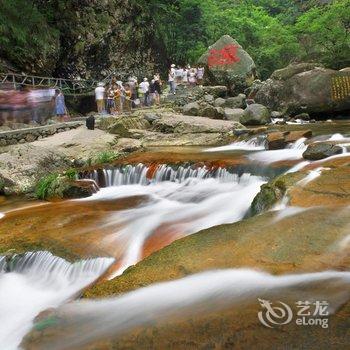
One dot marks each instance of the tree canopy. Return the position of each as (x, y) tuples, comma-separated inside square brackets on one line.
[(35, 33)]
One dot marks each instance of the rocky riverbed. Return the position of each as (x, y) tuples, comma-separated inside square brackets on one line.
[(226, 212)]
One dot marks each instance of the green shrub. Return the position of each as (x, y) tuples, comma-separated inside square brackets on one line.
[(45, 186), (71, 174), (106, 157)]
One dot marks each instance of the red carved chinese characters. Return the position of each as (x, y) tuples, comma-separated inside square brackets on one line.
[(227, 55)]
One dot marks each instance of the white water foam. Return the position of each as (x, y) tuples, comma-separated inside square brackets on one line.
[(35, 282), (191, 200), (292, 152), (311, 176), (194, 295), (254, 144)]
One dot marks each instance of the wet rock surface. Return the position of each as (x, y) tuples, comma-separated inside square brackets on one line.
[(321, 150)]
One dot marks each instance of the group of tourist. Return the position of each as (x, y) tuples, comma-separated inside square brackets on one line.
[(187, 76), (118, 97)]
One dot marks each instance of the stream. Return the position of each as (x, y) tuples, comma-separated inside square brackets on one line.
[(139, 209)]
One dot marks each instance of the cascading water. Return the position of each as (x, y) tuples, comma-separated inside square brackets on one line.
[(198, 294), (145, 175), (179, 202), (294, 151), (254, 144), (33, 282)]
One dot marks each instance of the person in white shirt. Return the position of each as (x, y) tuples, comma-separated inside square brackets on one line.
[(100, 97), (171, 79), (185, 76), (178, 75), (144, 91), (192, 77), (200, 75)]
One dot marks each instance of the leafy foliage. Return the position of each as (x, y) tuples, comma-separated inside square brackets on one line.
[(87, 37), (274, 32), (45, 186), (26, 40), (324, 34), (106, 157), (71, 174)]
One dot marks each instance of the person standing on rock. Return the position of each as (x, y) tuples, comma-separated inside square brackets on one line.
[(185, 76), (118, 98), (152, 92), (100, 97), (178, 75), (110, 100), (60, 105), (157, 88), (192, 77), (171, 79), (200, 76), (128, 100), (144, 91)]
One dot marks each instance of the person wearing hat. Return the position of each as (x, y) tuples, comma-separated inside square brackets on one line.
[(100, 97), (144, 91)]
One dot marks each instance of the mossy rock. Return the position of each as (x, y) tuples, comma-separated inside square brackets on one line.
[(55, 186), (273, 191)]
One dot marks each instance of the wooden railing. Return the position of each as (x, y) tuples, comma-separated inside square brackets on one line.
[(68, 86)]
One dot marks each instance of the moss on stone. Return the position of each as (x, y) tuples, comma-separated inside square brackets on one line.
[(273, 191)]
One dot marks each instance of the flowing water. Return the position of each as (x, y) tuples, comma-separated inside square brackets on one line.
[(181, 201), (34, 282), (176, 200), (194, 295)]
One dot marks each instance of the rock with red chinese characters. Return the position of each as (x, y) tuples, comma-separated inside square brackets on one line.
[(306, 88), (228, 64)]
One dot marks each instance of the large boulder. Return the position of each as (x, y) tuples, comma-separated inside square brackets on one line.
[(122, 126), (216, 91), (234, 114), (275, 140), (236, 102), (191, 108), (306, 88), (209, 98), (256, 114), (212, 112), (219, 102), (321, 150), (183, 124), (228, 64)]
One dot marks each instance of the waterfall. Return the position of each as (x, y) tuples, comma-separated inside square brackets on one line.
[(33, 282), (178, 202), (254, 144), (293, 151), (197, 294), (144, 175)]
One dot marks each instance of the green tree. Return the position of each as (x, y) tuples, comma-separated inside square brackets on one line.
[(26, 41), (324, 34)]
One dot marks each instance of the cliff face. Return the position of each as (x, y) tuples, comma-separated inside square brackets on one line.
[(90, 39), (99, 36)]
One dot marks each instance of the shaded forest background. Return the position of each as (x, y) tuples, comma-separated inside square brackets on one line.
[(91, 38)]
